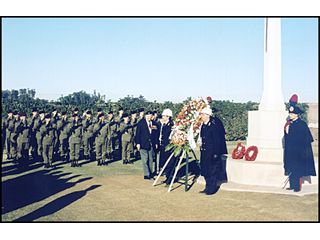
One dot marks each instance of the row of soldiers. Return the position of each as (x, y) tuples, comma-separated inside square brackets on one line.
[(55, 135)]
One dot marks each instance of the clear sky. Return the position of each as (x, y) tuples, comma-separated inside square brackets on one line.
[(159, 58)]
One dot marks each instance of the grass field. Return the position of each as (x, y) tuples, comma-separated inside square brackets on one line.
[(118, 192)]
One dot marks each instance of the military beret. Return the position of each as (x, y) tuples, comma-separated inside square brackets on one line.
[(125, 115), (10, 111), (99, 110), (120, 109), (89, 112), (295, 110), (100, 115), (22, 114), (110, 112), (141, 110), (47, 116), (34, 110), (149, 112), (76, 109), (54, 109), (41, 112), (63, 113), (134, 112), (15, 113)]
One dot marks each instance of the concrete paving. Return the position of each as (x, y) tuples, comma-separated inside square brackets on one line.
[(307, 189)]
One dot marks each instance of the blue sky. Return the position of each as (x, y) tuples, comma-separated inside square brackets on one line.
[(159, 58)]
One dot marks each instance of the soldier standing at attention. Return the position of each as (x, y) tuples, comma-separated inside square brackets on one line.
[(8, 125), (87, 135), (49, 134), (63, 132), (134, 123), (33, 132), (126, 134), (75, 140), (36, 127), (23, 131), (112, 134), (14, 136), (100, 130)]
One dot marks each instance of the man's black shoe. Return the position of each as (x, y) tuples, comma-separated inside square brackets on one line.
[(146, 177), (203, 191), (296, 190), (289, 188)]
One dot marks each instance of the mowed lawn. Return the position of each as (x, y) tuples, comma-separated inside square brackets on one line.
[(118, 192)]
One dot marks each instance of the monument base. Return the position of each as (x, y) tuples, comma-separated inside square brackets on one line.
[(259, 174)]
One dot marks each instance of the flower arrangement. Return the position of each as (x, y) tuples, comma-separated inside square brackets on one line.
[(187, 126)]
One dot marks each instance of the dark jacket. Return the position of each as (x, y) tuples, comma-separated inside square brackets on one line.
[(165, 131), (213, 146), (143, 135), (298, 155)]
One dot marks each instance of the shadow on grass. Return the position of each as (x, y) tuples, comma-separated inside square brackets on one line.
[(56, 205), (33, 187)]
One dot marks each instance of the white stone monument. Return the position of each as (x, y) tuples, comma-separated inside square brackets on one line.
[(265, 126)]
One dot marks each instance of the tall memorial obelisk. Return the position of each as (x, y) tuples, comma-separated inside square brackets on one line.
[(265, 126)]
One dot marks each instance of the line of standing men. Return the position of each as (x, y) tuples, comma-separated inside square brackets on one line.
[(55, 136)]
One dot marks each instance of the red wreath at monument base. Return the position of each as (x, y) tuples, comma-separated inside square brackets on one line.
[(251, 153), (239, 151)]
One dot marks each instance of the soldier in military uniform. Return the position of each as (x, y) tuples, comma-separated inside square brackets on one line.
[(141, 114), (36, 128), (112, 134), (8, 125), (14, 136), (23, 142), (63, 133), (126, 133), (87, 135), (75, 140), (33, 140), (134, 123), (49, 134), (100, 131)]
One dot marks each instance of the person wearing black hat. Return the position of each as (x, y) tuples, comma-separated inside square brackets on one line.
[(23, 143), (75, 111), (298, 154), (36, 128), (112, 135), (126, 134), (49, 134), (141, 114), (33, 141), (144, 144), (100, 131), (75, 138), (8, 125), (14, 136), (63, 134), (87, 135), (134, 123)]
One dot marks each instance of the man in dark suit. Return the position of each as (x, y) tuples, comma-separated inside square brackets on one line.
[(213, 145), (144, 144)]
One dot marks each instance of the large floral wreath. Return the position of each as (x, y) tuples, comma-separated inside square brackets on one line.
[(187, 126)]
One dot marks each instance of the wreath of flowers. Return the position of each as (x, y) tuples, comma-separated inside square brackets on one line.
[(188, 120), (251, 153), (239, 151)]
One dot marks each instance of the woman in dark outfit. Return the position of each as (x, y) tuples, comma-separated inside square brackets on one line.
[(298, 155)]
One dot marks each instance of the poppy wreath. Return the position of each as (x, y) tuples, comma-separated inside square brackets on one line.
[(239, 151), (251, 153)]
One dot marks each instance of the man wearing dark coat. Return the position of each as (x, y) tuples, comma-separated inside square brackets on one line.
[(298, 155), (213, 147), (144, 144)]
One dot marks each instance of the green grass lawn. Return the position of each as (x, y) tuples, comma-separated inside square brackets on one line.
[(118, 192)]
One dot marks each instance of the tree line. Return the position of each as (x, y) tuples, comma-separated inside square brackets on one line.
[(233, 115)]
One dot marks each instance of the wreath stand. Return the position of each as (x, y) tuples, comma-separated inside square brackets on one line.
[(184, 153)]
